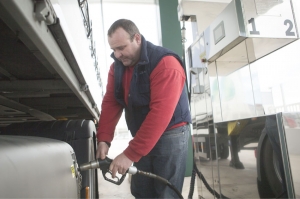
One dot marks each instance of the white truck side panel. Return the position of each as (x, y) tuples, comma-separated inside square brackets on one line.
[(70, 17)]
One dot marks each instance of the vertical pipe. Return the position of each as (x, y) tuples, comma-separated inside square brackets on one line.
[(87, 192)]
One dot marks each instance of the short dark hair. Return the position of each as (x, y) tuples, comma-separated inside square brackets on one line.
[(127, 25)]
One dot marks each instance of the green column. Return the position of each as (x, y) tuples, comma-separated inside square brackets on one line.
[(170, 26), (171, 39)]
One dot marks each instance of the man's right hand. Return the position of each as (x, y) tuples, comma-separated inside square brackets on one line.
[(102, 150)]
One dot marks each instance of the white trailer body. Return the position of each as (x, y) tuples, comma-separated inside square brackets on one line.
[(50, 88)]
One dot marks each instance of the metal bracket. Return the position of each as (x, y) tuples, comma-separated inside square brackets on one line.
[(84, 87), (94, 106), (44, 12)]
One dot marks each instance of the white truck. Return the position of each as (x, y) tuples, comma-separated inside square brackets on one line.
[(50, 96), (244, 82)]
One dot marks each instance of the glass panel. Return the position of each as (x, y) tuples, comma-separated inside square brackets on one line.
[(291, 131), (215, 93), (203, 132), (276, 80), (236, 94), (254, 168)]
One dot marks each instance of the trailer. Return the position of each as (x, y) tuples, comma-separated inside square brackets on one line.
[(50, 96), (243, 74)]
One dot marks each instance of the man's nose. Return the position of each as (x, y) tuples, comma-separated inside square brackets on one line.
[(118, 54)]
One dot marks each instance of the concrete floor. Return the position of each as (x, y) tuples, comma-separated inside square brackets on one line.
[(109, 190), (231, 182), (236, 183)]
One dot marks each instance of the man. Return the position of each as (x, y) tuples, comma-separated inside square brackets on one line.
[(148, 82)]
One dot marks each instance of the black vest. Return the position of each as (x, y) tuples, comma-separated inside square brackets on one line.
[(139, 92)]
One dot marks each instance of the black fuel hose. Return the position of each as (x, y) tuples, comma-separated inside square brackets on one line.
[(165, 181), (104, 166), (192, 184)]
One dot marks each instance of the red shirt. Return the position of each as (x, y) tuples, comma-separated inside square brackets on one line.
[(166, 84)]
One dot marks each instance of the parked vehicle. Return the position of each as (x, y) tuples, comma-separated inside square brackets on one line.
[(50, 87)]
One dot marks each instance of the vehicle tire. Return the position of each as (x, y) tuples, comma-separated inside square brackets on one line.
[(93, 172), (223, 146), (96, 193), (224, 151), (270, 185), (212, 154)]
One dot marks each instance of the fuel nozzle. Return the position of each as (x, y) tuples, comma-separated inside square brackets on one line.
[(98, 163), (104, 167)]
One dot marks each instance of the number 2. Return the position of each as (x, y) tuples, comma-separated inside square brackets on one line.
[(288, 32)]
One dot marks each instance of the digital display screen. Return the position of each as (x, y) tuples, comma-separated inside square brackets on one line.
[(219, 32)]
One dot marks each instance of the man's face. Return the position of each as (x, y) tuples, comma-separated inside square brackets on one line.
[(125, 50)]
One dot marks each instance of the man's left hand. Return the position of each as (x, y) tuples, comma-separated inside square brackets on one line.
[(120, 164)]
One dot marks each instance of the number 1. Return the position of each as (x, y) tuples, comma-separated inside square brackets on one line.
[(254, 31)]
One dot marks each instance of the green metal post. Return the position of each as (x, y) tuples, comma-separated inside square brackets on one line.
[(171, 39)]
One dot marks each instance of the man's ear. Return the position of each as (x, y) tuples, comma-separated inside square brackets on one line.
[(138, 38)]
